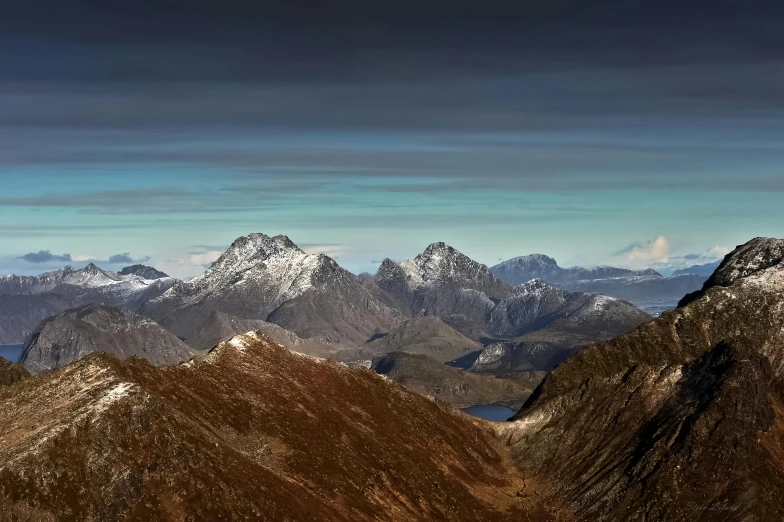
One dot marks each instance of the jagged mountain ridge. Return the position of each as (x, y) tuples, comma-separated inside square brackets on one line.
[(270, 278), (89, 276), (445, 283), (251, 431), (685, 412), (73, 334)]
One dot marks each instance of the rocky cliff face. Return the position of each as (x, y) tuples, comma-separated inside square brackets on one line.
[(69, 336), (251, 431), (269, 278), (680, 419)]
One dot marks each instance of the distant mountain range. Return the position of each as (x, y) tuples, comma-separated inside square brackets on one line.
[(681, 418), (441, 304), (26, 300), (632, 285)]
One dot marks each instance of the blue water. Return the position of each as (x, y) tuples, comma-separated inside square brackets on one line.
[(490, 412), (10, 351), (655, 308)]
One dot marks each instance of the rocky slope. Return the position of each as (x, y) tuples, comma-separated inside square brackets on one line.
[(426, 335), (69, 336), (460, 388), (220, 327), (251, 431), (26, 300), (547, 324), (680, 419), (270, 278), (621, 283), (11, 373)]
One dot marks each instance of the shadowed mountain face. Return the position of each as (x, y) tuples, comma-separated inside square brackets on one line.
[(269, 278), (69, 336), (147, 272), (27, 300), (220, 327), (460, 388), (681, 415), (426, 335), (251, 431)]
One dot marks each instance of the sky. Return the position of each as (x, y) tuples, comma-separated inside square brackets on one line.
[(627, 133)]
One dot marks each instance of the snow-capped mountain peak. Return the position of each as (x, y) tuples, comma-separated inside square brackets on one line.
[(440, 263), (258, 256)]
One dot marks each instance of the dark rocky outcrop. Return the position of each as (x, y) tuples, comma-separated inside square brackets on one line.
[(147, 272), (11, 373)]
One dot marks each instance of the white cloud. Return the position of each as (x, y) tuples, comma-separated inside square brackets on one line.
[(656, 251), (205, 258)]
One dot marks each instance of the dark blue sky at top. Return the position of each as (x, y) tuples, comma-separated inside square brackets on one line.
[(608, 132)]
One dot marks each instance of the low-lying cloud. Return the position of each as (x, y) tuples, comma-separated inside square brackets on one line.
[(647, 253), (46, 256)]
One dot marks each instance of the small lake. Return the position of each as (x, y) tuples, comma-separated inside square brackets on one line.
[(655, 308), (489, 412), (10, 351)]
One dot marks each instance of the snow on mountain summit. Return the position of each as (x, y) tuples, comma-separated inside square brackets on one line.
[(271, 279)]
